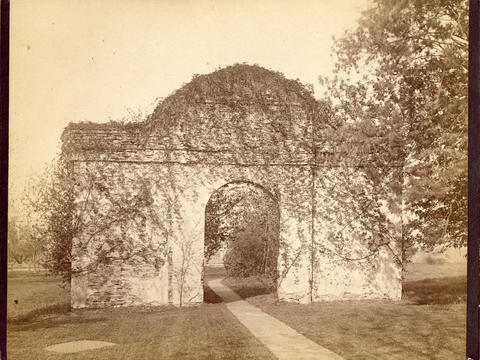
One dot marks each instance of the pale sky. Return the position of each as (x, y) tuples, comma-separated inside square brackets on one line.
[(93, 60)]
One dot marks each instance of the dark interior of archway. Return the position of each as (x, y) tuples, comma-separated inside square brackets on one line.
[(242, 233)]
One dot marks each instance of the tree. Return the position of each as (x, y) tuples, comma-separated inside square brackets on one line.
[(57, 215), (17, 251), (49, 202), (22, 244), (243, 218), (400, 86)]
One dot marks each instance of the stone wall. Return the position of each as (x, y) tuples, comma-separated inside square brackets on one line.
[(178, 280), (189, 188), (141, 192), (349, 262)]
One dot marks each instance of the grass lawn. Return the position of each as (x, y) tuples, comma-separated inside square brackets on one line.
[(422, 271), (30, 294), (42, 318), (429, 323)]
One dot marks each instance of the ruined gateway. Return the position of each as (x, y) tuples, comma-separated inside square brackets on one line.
[(141, 191)]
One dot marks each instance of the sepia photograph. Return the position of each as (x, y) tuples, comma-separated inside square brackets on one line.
[(252, 179)]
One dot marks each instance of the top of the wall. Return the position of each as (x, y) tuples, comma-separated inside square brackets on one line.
[(241, 109), (242, 114), (233, 86)]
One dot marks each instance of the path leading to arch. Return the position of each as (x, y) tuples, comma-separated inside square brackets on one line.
[(283, 341)]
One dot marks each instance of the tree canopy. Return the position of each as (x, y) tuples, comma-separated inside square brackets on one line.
[(400, 87), (243, 219)]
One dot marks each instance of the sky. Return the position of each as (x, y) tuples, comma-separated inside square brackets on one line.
[(94, 60)]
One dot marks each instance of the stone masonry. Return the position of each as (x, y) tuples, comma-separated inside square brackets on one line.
[(141, 192)]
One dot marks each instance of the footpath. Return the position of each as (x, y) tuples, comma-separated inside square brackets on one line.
[(283, 341)]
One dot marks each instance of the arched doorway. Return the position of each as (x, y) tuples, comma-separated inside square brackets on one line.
[(241, 234)]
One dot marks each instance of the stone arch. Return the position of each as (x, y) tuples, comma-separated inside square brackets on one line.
[(241, 123), (294, 231), (274, 197), (270, 213)]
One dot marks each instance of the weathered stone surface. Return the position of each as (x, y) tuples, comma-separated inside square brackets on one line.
[(148, 188)]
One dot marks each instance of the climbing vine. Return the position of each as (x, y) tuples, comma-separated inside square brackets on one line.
[(239, 123)]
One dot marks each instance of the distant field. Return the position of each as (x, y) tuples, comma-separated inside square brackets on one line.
[(420, 271)]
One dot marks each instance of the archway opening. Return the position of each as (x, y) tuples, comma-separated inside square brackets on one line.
[(242, 221)]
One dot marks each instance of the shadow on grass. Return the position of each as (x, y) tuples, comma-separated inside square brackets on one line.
[(56, 309), (48, 317), (251, 291), (214, 272), (210, 297), (56, 321), (244, 287), (251, 286), (437, 291)]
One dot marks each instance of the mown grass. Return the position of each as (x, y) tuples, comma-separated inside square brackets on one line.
[(438, 291), (32, 294), (429, 322), (422, 271), (375, 329), (42, 318)]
